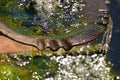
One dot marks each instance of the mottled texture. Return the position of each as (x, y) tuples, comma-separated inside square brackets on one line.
[(97, 21)]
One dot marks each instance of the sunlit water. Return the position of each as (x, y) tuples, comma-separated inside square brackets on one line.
[(61, 67), (82, 67)]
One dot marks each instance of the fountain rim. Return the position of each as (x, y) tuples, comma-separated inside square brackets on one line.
[(53, 44)]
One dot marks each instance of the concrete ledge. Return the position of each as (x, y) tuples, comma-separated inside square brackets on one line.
[(8, 45)]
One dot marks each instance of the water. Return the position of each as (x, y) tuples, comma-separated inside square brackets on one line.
[(114, 52), (70, 65), (82, 67), (64, 67)]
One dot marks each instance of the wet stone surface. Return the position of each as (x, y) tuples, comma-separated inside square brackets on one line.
[(53, 24), (49, 18)]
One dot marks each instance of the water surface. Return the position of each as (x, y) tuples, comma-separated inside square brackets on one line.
[(114, 52)]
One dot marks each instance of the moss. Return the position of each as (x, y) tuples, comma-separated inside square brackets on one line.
[(14, 16), (27, 67), (24, 67), (8, 72)]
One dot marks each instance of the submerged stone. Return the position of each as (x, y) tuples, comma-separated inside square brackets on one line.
[(53, 24)]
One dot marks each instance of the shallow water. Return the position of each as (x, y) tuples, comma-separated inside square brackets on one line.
[(69, 67), (114, 52)]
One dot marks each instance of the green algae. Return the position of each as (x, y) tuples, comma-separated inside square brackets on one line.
[(23, 68), (35, 67), (8, 72), (14, 16)]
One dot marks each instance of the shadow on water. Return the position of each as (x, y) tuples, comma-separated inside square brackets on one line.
[(114, 52)]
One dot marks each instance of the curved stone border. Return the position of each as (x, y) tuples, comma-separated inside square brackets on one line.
[(53, 44), (66, 43)]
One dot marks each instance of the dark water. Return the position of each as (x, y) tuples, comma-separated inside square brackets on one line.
[(114, 52)]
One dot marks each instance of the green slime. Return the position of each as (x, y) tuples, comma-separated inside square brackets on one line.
[(20, 18), (18, 69)]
